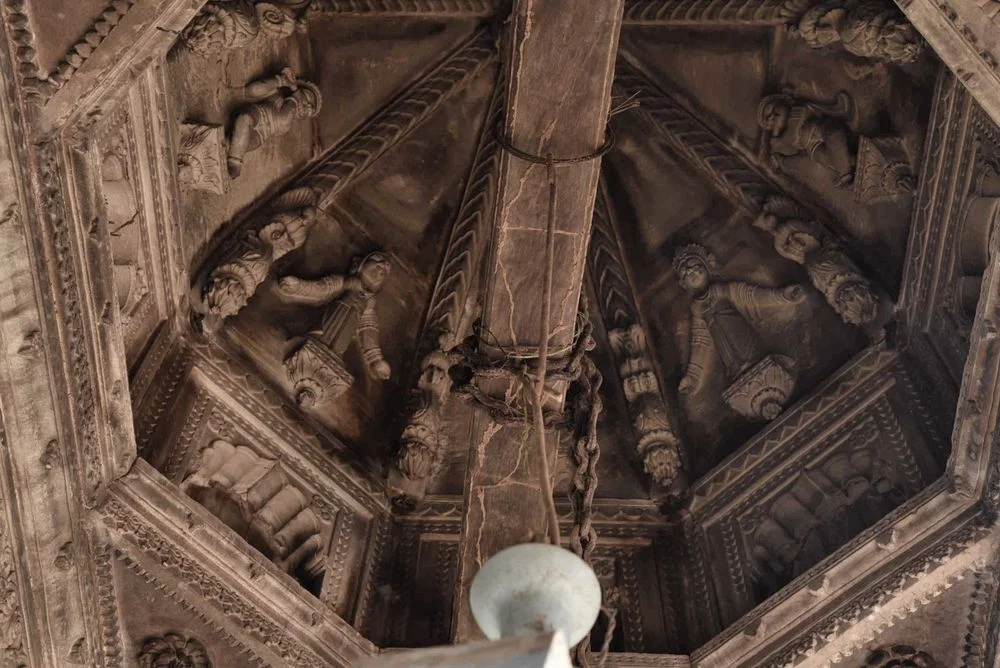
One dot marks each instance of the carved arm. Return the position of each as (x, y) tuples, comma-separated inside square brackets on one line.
[(268, 86), (368, 341), (701, 348), (302, 291), (750, 298)]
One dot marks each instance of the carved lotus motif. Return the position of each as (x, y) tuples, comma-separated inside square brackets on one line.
[(762, 391), (173, 650), (317, 373)]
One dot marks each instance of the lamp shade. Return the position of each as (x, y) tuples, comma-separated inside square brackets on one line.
[(534, 588)]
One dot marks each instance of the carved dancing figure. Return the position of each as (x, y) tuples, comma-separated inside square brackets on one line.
[(231, 284), (283, 99), (873, 29), (316, 367), (795, 127), (233, 24), (830, 271), (759, 384)]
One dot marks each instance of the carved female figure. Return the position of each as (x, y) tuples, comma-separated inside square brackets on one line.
[(234, 24), (283, 99), (316, 367), (793, 127), (760, 384)]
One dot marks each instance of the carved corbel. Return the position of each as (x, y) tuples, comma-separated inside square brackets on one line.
[(424, 442), (173, 649), (224, 25), (838, 279), (656, 440)]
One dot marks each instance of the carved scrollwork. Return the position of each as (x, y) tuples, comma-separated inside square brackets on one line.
[(315, 367), (830, 271), (255, 497), (172, 650), (873, 29), (760, 384), (234, 24)]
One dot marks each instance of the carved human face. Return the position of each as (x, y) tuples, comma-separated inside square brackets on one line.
[(225, 296), (693, 275), (856, 304), (795, 242), (775, 117), (306, 106), (373, 272)]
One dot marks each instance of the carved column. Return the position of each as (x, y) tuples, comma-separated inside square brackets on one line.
[(657, 436), (558, 95)]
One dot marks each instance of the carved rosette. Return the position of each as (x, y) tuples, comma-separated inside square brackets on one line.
[(317, 373), (657, 441), (762, 391), (173, 650)]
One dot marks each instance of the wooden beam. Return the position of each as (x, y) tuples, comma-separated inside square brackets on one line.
[(559, 75)]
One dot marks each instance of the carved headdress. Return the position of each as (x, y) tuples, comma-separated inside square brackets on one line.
[(690, 252)]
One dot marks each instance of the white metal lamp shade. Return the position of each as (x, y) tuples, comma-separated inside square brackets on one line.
[(532, 588)]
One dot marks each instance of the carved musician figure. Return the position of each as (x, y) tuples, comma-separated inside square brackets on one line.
[(316, 367), (760, 384), (283, 99), (795, 127)]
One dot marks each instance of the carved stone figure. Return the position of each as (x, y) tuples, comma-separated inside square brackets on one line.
[(131, 283), (760, 384), (255, 498), (234, 24), (172, 650), (900, 656), (231, 284), (282, 100), (795, 127), (657, 441), (423, 442), (316, 367), (874, 29), (830, 271), (876, 168)]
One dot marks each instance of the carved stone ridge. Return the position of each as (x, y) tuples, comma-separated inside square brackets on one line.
[(696, 12), (386, 8)]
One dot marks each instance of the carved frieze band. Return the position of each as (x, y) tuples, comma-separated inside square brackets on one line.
[(345, 161), (438, 8), (42, 84), (686, 12)]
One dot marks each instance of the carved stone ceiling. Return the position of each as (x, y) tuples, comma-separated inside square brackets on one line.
[(716, 73)]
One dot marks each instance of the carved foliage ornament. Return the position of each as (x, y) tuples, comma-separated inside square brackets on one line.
[(900, 656), (173, 650), (873, 29), (760, 384)]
